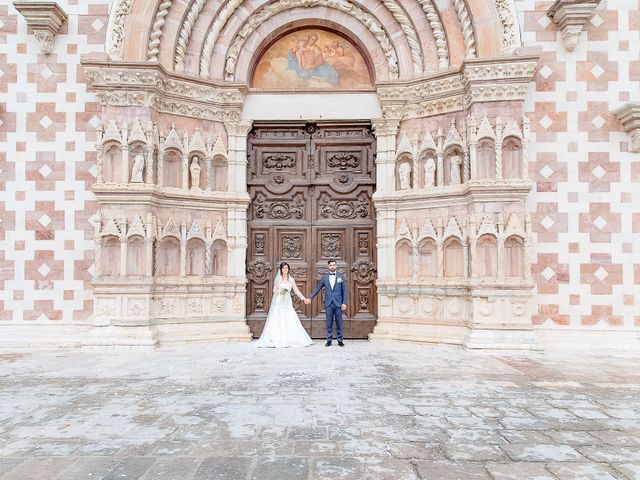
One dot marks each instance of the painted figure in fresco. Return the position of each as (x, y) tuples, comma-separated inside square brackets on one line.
[(138, 168), (307, 60), (195, 174)]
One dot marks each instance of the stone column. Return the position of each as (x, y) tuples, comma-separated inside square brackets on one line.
[(148, 176), (185, 171), (208, 173), (149, 246), (440, 245), (183, 250), (385, 131), (125, 174), (123, 247), (500, 246), (237, 242), (237, 155), (473, 144), (498, 148), (386, 248), (440, 158), (473, 247), (97, 262), (525, 148)]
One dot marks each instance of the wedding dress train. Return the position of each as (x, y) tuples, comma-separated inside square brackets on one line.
[(283, 327)]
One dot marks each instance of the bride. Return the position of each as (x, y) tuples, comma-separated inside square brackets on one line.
[(283, 327)]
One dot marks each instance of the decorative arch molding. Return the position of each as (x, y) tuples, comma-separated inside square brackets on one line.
[(264, 13)]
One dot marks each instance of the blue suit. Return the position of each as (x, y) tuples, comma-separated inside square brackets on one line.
[(333, 300)]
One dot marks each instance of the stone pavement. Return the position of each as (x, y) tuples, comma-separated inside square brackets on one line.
[(366, 411)]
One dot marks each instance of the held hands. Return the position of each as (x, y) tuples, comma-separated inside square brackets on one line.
[(307, 301), (343, 307)]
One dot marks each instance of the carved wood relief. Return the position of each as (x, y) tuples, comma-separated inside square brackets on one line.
[(311, 186)]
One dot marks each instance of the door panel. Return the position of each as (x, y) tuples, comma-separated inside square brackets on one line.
[(311, 187)]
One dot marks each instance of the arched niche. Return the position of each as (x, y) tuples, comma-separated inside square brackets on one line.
[(453, 166), (486, 159), (428, 258), (487, 256), (219, 258), (197, 172), (453, 258), (110, 256), (137, 148), (136, 256), (112, 162), (404, 259), (428, 170), (219, 174), (309, 58), (168, 257), (172, 169), (512, 158), (196, 257), (514, 256), (404, 172)]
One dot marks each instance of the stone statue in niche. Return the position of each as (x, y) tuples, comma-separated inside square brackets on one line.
[(456, 161), (404, 172), (195, 173), (429, 173), (138, 169)]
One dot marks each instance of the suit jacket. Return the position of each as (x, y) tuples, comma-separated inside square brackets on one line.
[(336, 295)]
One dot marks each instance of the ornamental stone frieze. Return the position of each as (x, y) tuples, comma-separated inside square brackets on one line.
[(45, 20), (474, 82), (135, 84), (571, 16)]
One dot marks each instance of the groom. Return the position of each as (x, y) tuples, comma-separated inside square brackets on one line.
[(335, 296)]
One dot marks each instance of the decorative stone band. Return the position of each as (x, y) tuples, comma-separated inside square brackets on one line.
[(629, 117), (475, 81), (45, 20), (136, 84), (571, 15)]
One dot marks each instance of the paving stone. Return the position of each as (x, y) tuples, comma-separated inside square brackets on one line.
[(7, 464), (416, 450), (223, 468), (172, 468), (281, 468), (38, 468), (87, 468), (519, 471), (582, 471), (473, 452), (129, 468), (574, 438), (344, 468), (308, 433), (542, 453), (452, 471), (611, 454), (630, 470), (376, 468), (317, 448), (615, 437)]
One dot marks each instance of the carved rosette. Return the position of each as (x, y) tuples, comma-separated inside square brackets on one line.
[(363, 270), (331, 245), (260, 269), (291, 246)]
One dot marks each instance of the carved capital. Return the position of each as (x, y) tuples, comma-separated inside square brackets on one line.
[(45, 20), (570, 16), (629, 117), (384, 127)]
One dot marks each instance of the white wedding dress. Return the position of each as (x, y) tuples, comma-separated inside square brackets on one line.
[(283, 327)]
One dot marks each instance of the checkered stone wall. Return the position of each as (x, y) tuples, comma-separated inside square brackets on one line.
[(47, 158), (587, 196)]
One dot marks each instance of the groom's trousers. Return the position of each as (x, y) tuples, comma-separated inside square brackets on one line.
[(334, 311)]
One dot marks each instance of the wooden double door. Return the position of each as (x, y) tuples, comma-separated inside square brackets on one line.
[(311, 187)]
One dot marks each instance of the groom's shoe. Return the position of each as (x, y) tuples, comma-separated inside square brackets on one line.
[(328, 344), (340, 343)]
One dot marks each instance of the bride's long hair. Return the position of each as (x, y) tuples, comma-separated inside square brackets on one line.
[(282, 265)]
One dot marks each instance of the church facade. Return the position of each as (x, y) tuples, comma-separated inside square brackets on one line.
[(472, 166)]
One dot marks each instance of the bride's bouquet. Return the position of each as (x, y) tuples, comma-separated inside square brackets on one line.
[(285, 289)]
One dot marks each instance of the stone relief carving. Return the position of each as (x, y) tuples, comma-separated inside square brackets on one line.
[(214, 31), (167, 306), (467, 28), (438, 32), (412, 38), (266, 12), (118, 22), (153, 49), (293, 209), (185, 33), (331, 246), (505, 15), (344, 208), (291, 246), (136, 307)]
